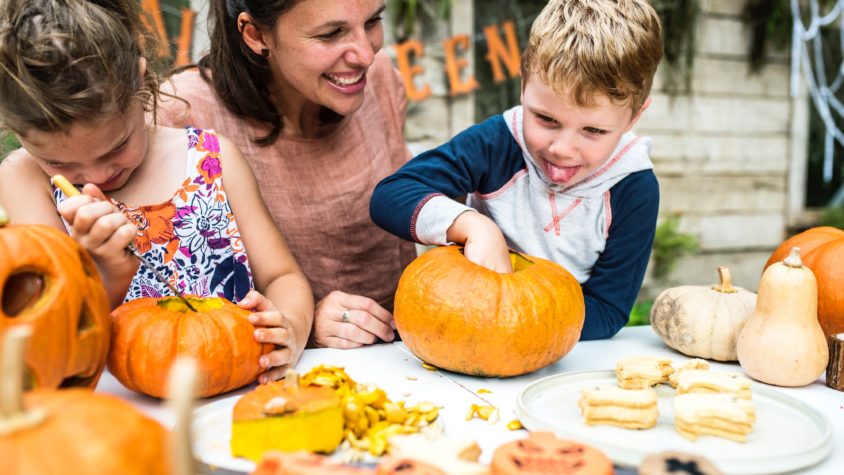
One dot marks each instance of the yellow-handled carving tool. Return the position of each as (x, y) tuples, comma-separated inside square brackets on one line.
[(69, 190)]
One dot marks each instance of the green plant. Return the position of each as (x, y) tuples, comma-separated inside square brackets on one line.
[(670, 245), (404, 14), (833, 216), (679, 20), (8, 142), (640, 314)]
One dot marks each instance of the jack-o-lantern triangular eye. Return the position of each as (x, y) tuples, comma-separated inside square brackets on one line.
[(21, 291), (529, 446)]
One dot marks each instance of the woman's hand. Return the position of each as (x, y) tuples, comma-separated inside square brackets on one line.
[(274, 328), (342, 320)]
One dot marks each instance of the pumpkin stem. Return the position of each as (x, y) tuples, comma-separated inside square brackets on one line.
[(181, 390), (725, 281), (13, 417), (4, 218), (793, 259), (291, 379)]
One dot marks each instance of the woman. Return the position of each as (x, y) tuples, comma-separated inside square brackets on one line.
[(302, 90)]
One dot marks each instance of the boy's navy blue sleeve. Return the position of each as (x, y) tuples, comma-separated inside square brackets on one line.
[(481, 158), (616, 278)]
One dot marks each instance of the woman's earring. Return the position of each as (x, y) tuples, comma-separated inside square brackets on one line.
[(265, 53)]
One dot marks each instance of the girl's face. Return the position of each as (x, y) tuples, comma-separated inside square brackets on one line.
[(567, 141), (103, 152), (320, 52)]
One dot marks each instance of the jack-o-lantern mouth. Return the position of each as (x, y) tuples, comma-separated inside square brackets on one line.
[(21, 291), (540, 459)]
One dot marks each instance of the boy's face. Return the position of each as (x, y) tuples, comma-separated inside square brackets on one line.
[(570, 142)]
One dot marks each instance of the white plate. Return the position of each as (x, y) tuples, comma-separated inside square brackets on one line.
[(212, 433), (788, 434)]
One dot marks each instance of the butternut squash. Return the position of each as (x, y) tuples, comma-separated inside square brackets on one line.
[(782, 342)]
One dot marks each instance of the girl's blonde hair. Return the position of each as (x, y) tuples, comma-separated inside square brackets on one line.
[(583, 48), (63, 61)]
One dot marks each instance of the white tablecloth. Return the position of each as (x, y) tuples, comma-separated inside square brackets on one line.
[(393, 368)]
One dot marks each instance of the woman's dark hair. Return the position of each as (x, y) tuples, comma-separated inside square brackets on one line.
[(64, 61), (238, 75)]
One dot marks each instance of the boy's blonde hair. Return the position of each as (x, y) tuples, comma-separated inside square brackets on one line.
[(63, 61), (586, 48)]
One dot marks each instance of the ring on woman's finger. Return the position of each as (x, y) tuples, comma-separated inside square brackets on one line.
[(345, 316)]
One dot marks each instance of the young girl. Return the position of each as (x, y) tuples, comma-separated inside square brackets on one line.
[(76, 89)]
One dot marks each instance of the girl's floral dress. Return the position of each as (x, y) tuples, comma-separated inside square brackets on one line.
[(192, 239)]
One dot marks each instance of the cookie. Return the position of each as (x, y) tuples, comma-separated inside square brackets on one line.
[(640, 372), (451, 455), (625, 408), (713, 382), (695, 363), (544, 454), (676, 463), (720, 415)]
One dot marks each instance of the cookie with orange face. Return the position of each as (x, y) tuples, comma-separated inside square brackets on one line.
[(406, 466), (542, 453), (304, 463)]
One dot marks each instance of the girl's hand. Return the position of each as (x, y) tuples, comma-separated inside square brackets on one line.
[(343, 320), (276, 330), (99, 227)]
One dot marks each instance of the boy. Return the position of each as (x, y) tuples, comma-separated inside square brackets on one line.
[(559, 177)]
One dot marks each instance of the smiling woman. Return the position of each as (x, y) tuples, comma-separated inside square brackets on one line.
[(304, 90)]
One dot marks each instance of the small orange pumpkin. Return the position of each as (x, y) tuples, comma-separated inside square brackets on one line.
[(148, 334), (822, 251), (457, 315), (541, 452), (75, 430), (49, 282)]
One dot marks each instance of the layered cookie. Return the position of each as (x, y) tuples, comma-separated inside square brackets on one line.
[(626, 408), (720, 415), (713, 382), (695, 363), (640, 372)]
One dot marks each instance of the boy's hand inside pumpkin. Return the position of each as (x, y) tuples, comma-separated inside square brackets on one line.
[(483, 242)]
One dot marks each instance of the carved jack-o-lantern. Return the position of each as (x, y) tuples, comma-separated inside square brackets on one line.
[(49, 282), (541, 452)]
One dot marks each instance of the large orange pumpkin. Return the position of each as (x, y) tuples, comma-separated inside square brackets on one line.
[(50, 431), (50, 283), (822, 251), (148, 334), (462, 317)]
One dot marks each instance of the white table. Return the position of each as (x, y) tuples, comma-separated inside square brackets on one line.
[(393, 368)]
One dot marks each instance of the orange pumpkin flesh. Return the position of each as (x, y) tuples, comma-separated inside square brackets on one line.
[(148, 334), (459, 316), (542, 453), (822, 251), (49, 282)]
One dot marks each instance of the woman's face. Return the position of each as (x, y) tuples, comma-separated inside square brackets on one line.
[(321, 50)]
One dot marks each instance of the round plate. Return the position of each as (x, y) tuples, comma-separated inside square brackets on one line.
[(212, 433), (788, 434)]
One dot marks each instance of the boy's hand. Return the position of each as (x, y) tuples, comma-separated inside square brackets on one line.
[(483, 242), (99, 227), (274, 329), (343, 320)]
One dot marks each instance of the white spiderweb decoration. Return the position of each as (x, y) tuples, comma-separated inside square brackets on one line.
[(807, 54)]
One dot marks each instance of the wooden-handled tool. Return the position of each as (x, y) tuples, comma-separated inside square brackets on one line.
[(69, 190)]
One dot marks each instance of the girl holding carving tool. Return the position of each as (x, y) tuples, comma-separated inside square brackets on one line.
[(75, 89)]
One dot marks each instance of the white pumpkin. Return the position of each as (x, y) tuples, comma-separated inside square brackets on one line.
[(703, 321)]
